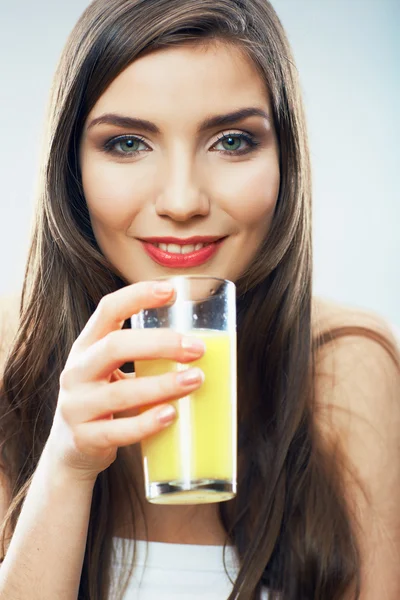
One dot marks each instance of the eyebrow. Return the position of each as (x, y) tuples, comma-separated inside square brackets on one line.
[(209, 123)]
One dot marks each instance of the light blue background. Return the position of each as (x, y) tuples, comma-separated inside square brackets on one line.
[(347, 53)]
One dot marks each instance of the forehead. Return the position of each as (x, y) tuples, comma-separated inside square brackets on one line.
[(185, 82)]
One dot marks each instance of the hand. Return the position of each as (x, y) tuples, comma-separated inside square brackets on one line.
[(90, 421)]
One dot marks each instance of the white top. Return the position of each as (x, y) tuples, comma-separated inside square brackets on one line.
[(177, 571)]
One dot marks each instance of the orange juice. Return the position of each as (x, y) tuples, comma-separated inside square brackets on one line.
[(200, 447)]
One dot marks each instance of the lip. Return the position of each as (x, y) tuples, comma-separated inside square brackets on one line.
[(196, 239), (193, 259)]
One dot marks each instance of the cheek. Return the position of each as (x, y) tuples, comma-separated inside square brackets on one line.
[(251, 192), (112, 194), (115, 193)]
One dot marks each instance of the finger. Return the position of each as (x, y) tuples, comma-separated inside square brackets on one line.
[(133, 394), (104, 434), (113, 309), (105, 356), (118, 374)]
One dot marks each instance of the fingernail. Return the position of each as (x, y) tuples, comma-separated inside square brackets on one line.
[(193, 344), (166, 414), (190, 377), (163, 288)]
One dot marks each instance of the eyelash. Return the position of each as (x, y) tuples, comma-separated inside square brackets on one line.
[(109, 146)]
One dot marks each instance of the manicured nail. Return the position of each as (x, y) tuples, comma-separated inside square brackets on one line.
[(163, 288), (190, 377), (166, 414), (192, 344)]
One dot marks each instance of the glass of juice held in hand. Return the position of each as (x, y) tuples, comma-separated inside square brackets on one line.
[(194, 460)]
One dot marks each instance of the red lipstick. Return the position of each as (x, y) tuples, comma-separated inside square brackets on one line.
[(177, 260)]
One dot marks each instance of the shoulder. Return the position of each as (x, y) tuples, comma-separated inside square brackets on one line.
[(357, 362), (329, 315), (357, 414), (347, 337), (9, 319)]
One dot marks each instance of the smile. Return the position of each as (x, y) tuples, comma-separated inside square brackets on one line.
[(181, 256)]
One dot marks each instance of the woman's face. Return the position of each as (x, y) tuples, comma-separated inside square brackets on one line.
[(176, 173)]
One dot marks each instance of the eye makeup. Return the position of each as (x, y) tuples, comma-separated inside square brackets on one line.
[(123, 146)]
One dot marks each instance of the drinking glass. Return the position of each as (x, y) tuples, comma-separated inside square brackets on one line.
[(194, 460)]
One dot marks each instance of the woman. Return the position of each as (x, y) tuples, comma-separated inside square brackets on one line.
[(183, 118)]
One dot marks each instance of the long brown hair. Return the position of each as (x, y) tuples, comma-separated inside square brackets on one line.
[(289, 521)]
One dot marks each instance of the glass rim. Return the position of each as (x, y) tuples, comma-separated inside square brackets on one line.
[(194, 277)]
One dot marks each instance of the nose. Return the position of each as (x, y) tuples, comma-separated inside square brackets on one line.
[(181, 197)]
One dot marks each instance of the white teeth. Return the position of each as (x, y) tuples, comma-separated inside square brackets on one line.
[(187, 249), (174, 248), (177, 249)]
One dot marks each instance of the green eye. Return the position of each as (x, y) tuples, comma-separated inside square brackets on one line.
[(127, 146), (232, 142)]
